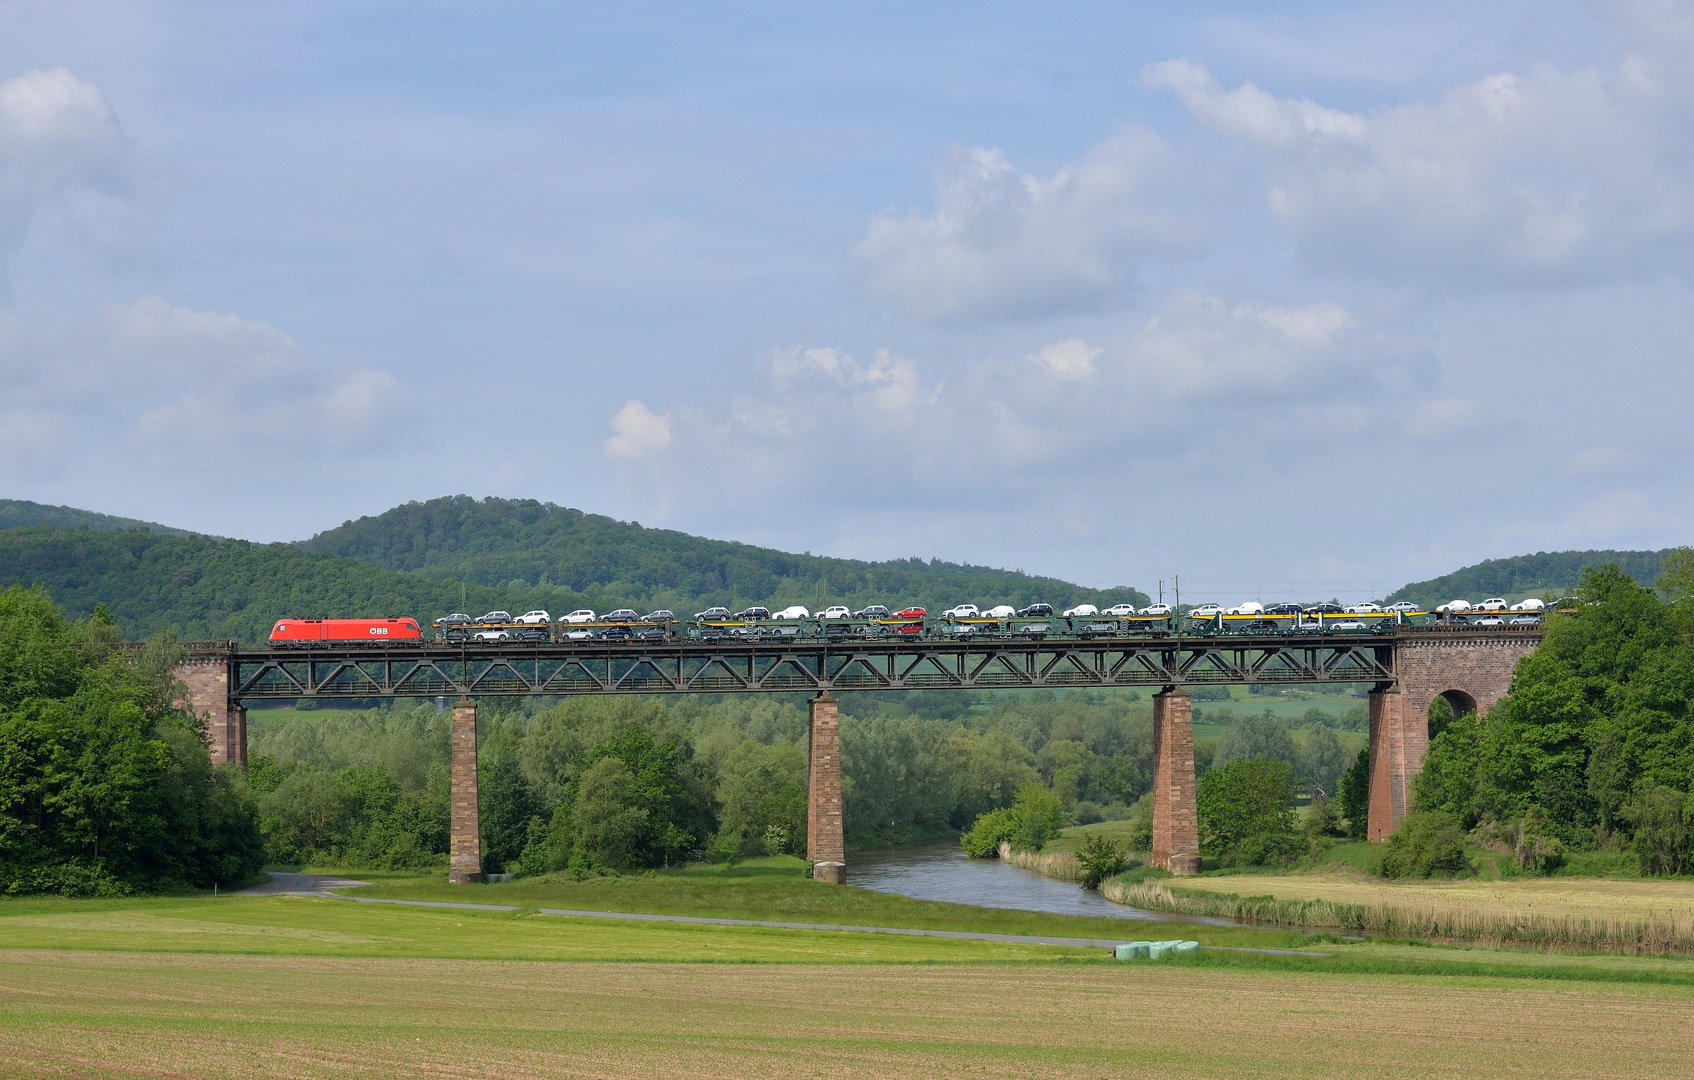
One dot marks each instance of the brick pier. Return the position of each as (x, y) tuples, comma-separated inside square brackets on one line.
[(464, 845), (825, 848), (1176, 824), (207, 678)]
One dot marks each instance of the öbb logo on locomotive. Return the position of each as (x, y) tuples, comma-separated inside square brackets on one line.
[(960, 623)]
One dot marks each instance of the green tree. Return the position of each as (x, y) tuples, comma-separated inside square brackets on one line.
[(1426, 843), (1245, 799), (1323, 760), (1041, 814), (1663, 818), (1263, 737)]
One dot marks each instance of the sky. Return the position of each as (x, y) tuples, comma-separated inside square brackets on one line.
[(1298, 300)]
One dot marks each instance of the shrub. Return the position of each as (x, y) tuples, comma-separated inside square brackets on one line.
[(1266, 849), (984, 838), (1536, 851), (1088, 813), (1100, 859), (1664, 829), (1426, 843), (1040, 817)]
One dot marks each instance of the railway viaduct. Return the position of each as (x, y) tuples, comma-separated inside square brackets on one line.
[(1407, 668)]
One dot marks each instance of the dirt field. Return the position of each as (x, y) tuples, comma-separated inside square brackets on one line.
[(141, 1014), (1591, 897)]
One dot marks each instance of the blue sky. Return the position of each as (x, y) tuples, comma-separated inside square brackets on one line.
[(1308, 300)]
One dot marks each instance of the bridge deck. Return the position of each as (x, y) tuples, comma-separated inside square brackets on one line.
[(431, 670)]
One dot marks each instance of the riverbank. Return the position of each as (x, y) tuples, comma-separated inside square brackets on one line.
[(1627, 917)]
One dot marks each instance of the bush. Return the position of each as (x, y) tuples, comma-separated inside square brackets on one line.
[(1040, 817), (1035, 818), (1355, 795), (1426, 843), (1087, 813), (1100, 859), (1266, 849), (1664, 829), (984, 838), (1536, 851)]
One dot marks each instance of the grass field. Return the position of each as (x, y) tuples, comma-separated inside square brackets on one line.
[(1613, 898), (185, 1014), (307, 987)]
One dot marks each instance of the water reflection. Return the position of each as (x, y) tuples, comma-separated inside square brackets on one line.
[(940, 871)]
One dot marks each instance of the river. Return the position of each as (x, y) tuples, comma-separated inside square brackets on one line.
[(941, 871)]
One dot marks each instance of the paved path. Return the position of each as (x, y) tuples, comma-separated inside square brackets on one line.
[(308, 885), (300, 885)]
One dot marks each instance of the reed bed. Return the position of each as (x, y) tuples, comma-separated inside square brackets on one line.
[(1655, 935), (1054, 864)]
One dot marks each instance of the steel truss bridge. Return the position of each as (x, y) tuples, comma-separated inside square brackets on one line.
[(739, 667)]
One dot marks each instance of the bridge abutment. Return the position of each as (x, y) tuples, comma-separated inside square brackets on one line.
[(464, 860), (1176, 822), (206, 676), (1471, 669), (825, 846)]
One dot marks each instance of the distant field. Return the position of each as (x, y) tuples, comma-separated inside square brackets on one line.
[(1608, 898), (118, 1014)]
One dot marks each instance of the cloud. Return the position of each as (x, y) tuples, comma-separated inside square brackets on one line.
[(1203, 345), (1005, 244), (176, 386), (1435, 419), (1531, 177), (637, 433), (61, 150), (1073, 359), (1600, 461)]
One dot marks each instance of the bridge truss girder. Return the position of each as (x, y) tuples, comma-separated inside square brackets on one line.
[(549, 670)]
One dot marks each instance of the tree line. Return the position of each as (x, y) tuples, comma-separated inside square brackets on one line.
[(106, 782)]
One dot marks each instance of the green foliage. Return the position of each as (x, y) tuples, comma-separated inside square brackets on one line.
[(205, 588), (1323, 819), (1262, 736), (1041, 815), (1247, 800), (1537, 851), (763, 791), (1558, 572), (1355, 795), (1426, 843), (1322, 760), (631, 802), (1100, 859), (1599, 713), (1663, 820), (106, 784), (494, 542), (1676, 574), (1035, 817), (20, 512), (993, 828)]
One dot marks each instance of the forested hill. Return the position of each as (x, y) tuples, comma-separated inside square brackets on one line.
[(526, 544), (16, 512), (205, 588), (1556, 572), (460, 554)]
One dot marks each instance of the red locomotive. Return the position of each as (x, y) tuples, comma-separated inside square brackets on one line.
[(294, 632)]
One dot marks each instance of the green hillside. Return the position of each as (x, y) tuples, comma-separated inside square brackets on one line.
[(18, 512), (1554, 572), (208, 588), (527, 545)]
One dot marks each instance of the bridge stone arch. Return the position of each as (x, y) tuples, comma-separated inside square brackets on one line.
[(1470, 669)]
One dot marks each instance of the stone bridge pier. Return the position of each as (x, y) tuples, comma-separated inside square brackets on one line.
[(206, 675), (826, 849)]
